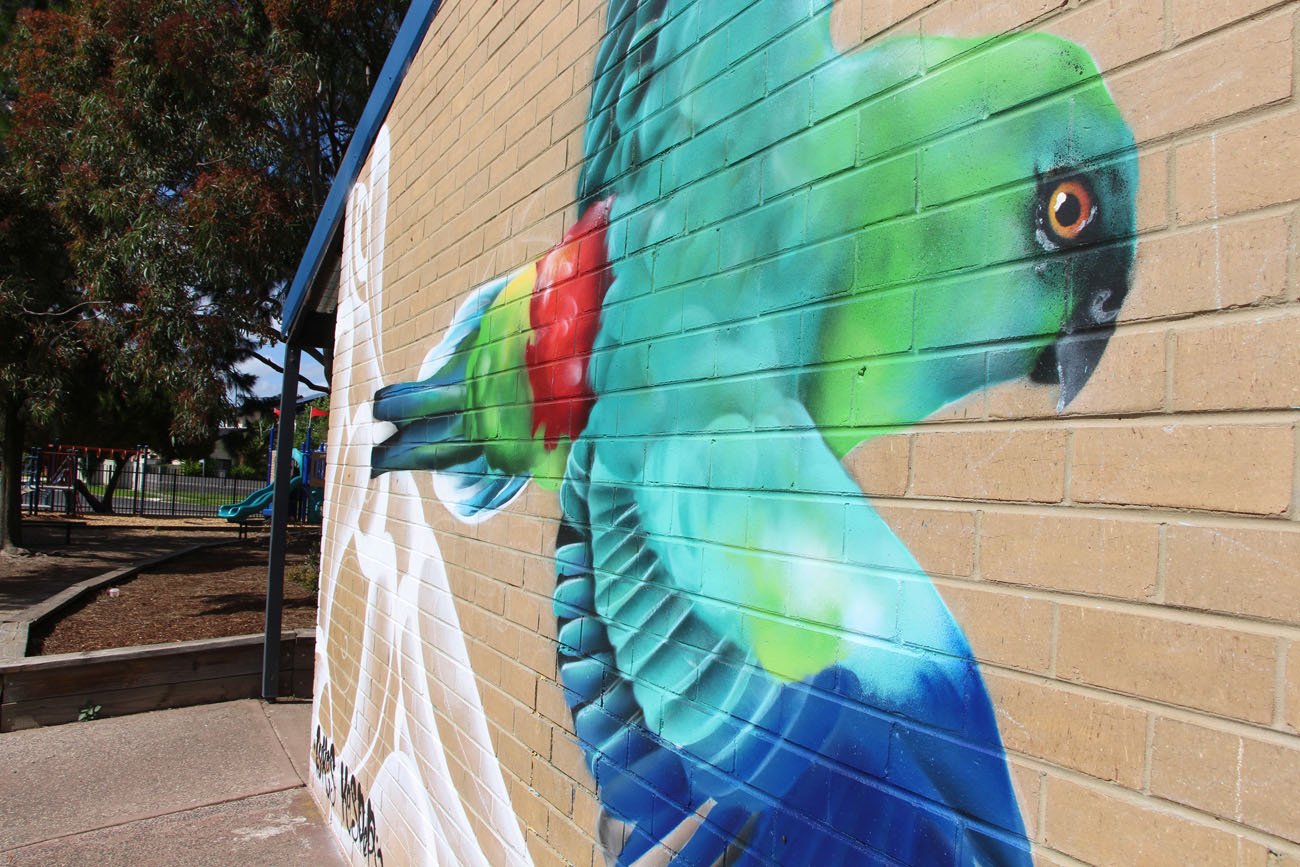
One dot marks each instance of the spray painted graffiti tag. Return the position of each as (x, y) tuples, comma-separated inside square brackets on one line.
[(354, 809)]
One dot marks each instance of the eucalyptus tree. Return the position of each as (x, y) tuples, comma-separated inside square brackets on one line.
[(167, 159)]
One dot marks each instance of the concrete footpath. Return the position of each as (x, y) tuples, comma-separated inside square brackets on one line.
[(214, 785)]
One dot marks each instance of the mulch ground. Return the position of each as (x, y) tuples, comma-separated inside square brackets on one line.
[(213, 593)]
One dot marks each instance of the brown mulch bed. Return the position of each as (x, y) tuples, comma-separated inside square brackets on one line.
[(213, 593), (102, 543)]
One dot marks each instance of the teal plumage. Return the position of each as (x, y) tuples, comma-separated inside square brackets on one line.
[(802, 249)]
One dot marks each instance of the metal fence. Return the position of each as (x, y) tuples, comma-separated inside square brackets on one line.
[(59, 481)]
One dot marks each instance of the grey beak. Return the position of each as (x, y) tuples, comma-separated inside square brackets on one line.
[(1077, 356), (1074, 356)]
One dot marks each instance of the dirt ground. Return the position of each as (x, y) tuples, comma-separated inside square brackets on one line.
[(213, 593)]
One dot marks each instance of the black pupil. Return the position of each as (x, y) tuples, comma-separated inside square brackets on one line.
[(1068, 209)]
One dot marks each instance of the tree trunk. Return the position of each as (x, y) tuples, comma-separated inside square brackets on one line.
[(102, 506), (11, 479)]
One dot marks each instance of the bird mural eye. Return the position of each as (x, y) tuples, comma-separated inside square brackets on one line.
[(1071, 209)]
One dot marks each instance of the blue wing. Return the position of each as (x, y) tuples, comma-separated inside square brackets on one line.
[(887, 753)]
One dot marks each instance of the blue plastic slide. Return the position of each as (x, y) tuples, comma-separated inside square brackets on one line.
[(255, 502), (259, 500)]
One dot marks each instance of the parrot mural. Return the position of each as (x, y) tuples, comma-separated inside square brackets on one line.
[(782, 251)]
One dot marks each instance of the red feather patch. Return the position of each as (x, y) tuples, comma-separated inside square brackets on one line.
[(564, 313)]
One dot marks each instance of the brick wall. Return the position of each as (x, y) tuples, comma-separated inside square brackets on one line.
[(1126, 568)]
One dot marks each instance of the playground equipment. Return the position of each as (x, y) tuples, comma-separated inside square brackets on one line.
[(260, 500), (309, 476)]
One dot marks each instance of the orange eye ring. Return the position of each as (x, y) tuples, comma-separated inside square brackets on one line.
[(1070, 209)]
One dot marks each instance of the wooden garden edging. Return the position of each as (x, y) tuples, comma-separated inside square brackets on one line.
[(49, 690)]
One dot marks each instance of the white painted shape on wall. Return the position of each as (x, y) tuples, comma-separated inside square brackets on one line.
[(415, 667)]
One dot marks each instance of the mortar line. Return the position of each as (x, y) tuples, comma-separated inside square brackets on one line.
[(1162, 564), (1294, 511), (1279, 685), (1261, 732), (1141, 418), (1203, 519), (1148, 753), (1239, 623), (1171, 341)]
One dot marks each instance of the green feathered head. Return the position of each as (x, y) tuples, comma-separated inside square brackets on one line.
[(997, 216)]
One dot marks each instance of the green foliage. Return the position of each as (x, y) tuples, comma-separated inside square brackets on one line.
[(191, 468), (183, 147), (319, 425), (307, 573), (244, 471), (161, 164), (89, 712)]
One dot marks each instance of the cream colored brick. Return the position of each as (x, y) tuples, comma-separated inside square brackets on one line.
[(1153, 191), (574, 844), (847, 24), (942, 541), (1214, 467), (1210, 668), (1197, 766), (520, 683), (568, 759), (1212, 268), (1246, 168), (1019, 465), (1098, 827), (1077, 555), (1130, 379), (526, 610), (1044, 858), (554, 787), (877, 16), (531, 809), (984, 617), (540, 851), (1239, 70), (551, 703), (1193, 17), (1268, 783), (880, 465), (1238, 365), (1229, 776), (515, 758), (969, 17), (1115, 32), (1234, 570), (586, 809), (1098, 738)]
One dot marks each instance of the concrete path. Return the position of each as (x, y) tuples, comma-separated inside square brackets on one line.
[(210, 785)]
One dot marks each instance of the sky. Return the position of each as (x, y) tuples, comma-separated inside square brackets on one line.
[(268, 380)]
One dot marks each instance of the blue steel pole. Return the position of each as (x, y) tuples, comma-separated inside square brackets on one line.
[(279, 526)]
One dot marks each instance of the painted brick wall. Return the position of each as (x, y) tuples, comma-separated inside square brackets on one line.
[(1125, 568)]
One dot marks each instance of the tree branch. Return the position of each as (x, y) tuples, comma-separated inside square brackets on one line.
[(278, 369)]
